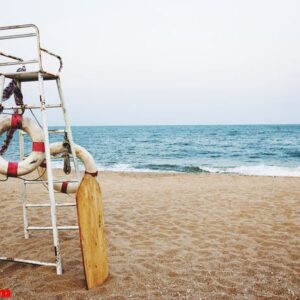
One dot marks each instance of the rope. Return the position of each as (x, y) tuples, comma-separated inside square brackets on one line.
[(37, 178), (12, 88), (66, 155)]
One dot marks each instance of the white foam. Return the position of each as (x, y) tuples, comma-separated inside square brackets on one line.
[(113, 168), (258, 170), (124, 168)]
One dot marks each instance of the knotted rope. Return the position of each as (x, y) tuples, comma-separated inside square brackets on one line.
[(12, 88), (66, 154)]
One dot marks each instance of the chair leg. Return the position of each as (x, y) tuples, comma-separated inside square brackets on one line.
[(50, 178)]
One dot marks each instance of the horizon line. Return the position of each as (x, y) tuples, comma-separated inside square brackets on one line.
[(149, 125)]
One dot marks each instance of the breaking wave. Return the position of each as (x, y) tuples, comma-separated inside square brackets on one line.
[(258, 170)]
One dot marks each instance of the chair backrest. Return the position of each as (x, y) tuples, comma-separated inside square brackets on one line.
[(32, 31)]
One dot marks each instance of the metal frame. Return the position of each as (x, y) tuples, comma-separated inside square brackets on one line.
[(40, 75)]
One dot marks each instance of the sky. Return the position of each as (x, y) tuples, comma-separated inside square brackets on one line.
[(139, 62)]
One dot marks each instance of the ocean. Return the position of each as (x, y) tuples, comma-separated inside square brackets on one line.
[(267, 150)]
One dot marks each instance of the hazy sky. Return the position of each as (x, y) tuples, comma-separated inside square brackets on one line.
[(170, 61)]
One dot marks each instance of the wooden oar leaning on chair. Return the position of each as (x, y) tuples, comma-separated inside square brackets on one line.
[(90, 216), (92, 231)]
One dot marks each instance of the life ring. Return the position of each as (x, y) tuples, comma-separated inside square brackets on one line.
[(81, 153), (37, 156)]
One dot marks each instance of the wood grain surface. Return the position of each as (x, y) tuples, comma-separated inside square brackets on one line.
[(92, 231)]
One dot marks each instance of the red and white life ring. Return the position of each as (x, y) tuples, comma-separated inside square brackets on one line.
[(81, 153), (37, 156)]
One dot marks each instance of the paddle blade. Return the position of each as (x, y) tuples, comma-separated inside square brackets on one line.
[(92, 231)]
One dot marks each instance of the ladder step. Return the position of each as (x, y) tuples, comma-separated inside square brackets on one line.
[(46, 181), (25, 261), (48, 205), (39, 193), (57, 130), (50, 131), (50, 227), (32, 106)]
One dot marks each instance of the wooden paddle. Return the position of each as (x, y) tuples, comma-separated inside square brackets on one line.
[(92, 231)]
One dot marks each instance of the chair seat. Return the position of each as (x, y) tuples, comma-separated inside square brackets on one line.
[(30, 76)]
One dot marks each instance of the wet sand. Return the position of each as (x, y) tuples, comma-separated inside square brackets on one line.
[(169, 236)]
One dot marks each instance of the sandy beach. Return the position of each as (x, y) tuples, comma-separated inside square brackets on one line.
[(169, 236)]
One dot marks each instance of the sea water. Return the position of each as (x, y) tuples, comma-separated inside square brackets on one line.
[(272, 150)]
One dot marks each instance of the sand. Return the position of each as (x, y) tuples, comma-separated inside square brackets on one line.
[(169, 236)]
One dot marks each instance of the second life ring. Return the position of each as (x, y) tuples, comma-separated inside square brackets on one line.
[(37, 156), (81, 153)]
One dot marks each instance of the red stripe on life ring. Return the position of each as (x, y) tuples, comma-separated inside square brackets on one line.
[(16, 121), (12, 169), (64, 187), (95, 174), (38, 146)]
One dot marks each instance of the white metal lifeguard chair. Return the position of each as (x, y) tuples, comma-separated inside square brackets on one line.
[(38, 74)]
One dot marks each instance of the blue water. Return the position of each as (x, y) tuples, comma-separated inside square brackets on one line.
[(250, 150)]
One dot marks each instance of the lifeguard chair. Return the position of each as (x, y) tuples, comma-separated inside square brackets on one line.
[(36, 73)]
